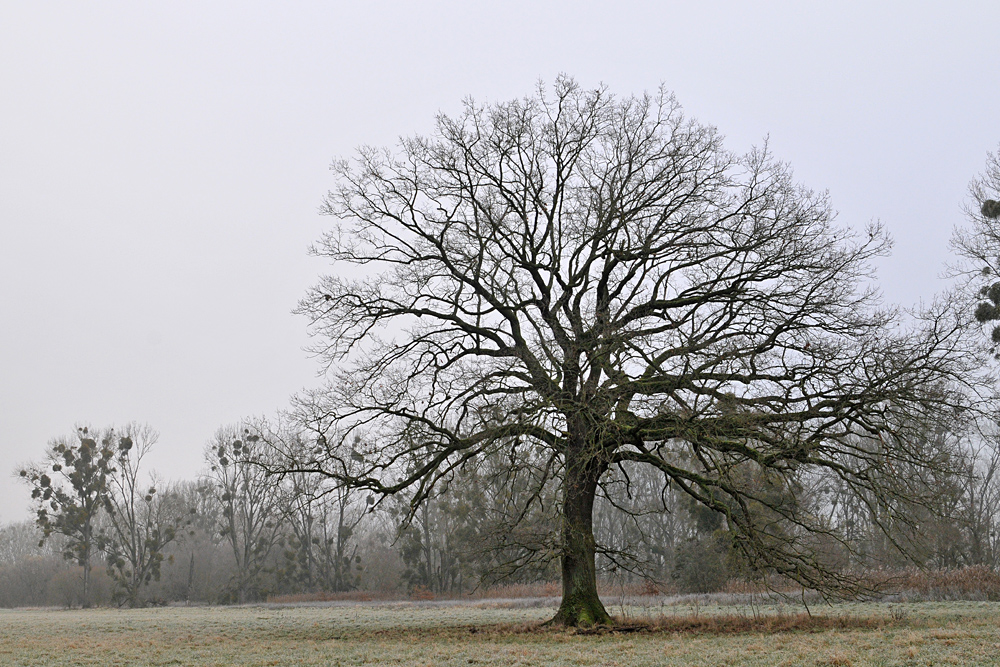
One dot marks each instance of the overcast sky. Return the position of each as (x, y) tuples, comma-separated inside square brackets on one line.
[(161, 164)]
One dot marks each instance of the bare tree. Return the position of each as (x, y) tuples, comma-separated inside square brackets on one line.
[(138, 525), (978, 267), (19, 541), (639, 521), (981, 510), (599, 280), (979, 248), (192, 569), (251, 504), (324, 519)]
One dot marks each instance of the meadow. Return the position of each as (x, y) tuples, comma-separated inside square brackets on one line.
[(504, 633)]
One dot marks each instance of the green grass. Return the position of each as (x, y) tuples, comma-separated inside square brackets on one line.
[(953, 633)]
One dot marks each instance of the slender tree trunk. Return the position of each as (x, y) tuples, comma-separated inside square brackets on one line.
[(85, 602), (88, 540), (580, 606), (190, 581), (428, 554)]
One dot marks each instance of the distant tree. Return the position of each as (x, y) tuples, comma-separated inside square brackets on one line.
[(979, 247), (431, 543), (251, 504), (20, 541), (339, 516), (980, 512), (505, 505), (193, 569), (69, 489), (640, 520), (599, 281), (303, 546), (321, 545), (139, 524)]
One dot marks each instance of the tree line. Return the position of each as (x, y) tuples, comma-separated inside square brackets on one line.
[(109, 531)]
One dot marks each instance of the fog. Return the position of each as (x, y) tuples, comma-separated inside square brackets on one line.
[(161, 166)]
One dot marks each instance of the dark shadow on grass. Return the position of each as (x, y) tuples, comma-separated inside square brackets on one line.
[(726, 624), (721, 624)]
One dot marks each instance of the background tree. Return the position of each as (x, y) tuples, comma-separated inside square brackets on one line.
[(485, 523), (251, 505), (302, 569), (979, 247), (599, 279), (641, 521), (322, 550), (69, 489), (507, 502), (27, 565), (194, 569), (20, 541), (979, 513), (139, 525)]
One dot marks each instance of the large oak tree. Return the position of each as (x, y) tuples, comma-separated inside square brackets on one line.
[(584, 282)]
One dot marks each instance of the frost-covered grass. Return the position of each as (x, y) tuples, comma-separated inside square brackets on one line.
[(956, 633)]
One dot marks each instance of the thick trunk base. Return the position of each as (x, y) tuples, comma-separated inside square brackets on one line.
[(581, 610), (581, 606)]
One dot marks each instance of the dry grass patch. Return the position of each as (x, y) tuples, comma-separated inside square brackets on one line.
[(855, 635)]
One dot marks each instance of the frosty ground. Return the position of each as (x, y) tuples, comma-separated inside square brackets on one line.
[(656, 631)]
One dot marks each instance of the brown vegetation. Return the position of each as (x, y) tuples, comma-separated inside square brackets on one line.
[(976, 582)]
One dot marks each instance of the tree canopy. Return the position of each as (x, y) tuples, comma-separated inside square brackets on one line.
[(578, 283)]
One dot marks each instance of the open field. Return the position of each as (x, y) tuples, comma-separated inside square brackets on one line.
[(499, 633)]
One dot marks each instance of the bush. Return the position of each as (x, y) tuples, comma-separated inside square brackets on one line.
[(66, 587), (976, 582), (701, 565), (25, 584)]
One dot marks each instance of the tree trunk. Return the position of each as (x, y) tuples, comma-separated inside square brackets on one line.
[(85, 602), (190, 581), (580, 606), (85, 562)]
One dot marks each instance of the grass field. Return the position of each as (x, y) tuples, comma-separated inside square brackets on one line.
[(952, 633)]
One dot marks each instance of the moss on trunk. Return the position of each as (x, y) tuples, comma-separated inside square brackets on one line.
[(581, 605)]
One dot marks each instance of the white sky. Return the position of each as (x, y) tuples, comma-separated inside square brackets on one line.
[(161, 164)]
